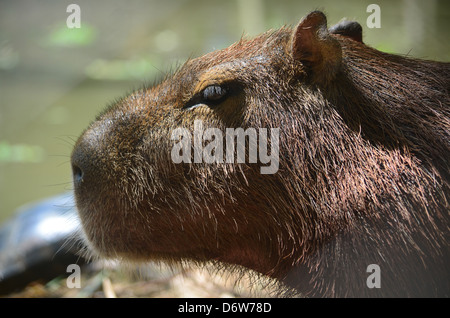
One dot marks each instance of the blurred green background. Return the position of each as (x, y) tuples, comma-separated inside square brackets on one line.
[(54, 80)]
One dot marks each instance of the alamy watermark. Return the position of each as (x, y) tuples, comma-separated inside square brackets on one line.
[(374, 279), (74, 279), (74, 19), (373, 20), (207, 145)]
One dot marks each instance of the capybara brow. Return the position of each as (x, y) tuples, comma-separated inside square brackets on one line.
[(302, 154)]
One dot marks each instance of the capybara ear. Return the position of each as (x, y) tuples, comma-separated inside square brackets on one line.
[(313, 46), (350, 29)]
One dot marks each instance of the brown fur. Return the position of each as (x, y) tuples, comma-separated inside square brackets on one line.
[(363, 177)]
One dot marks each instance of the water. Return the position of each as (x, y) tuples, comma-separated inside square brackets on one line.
[(53, 81)]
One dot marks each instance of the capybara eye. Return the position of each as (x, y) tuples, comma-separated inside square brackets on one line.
[(211, 96), (214, 93)]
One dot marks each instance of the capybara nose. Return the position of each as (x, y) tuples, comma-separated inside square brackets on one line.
[(84, 167), (78, 173), (80, 164)]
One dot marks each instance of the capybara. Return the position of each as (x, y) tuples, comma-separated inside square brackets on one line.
[(357, 202)]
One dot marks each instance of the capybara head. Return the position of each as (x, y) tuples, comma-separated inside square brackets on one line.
[(302, 154)]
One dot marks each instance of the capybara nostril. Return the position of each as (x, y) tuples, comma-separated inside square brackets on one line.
[(81, 160), (84, 163), (77, 174)]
